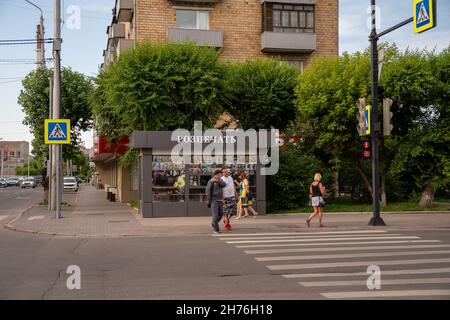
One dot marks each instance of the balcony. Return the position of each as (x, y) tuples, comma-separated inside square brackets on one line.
[(288, 42), (124, 10), (124, 44), (116, 31), (208, 38)]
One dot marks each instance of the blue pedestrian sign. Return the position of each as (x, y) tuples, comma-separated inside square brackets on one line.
[(57, 131), (424, 15)]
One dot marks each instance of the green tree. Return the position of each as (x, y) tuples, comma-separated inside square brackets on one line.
[(158, 87), (36, 167), (327, 93), (34, 99), (260, 93), (418, 82), (289, 188)]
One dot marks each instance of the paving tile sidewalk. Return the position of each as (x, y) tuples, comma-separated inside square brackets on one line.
[(90, 214)]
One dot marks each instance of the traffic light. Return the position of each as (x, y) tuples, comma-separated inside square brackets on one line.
[(361, 117), (367, 153), (387, 117)]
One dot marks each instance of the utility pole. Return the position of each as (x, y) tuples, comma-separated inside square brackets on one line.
[(56, 112)]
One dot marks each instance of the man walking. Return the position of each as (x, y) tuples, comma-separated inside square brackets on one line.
[(215, 199), (229, 198)]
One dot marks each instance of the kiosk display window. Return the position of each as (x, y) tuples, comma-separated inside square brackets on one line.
[(169, 181), (201, 171)]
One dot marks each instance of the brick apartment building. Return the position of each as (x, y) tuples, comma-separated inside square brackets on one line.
[(292, 30)]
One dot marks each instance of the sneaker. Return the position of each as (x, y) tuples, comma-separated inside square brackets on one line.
[(216, 232)]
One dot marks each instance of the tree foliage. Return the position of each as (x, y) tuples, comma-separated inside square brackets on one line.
[(260, 93), (418, 82), (34, 99), (289, 188)]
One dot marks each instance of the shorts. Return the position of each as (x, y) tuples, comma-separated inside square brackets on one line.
[(229, 207), (244, 202), (317, 202)]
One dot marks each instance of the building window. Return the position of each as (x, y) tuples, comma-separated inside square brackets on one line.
[(297, 64), (192, 19), (279, 17)]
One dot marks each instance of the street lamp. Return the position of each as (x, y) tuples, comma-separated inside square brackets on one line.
[(41, 40)]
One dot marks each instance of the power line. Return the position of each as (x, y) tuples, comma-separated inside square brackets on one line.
[(9, 81), (24, 41), (10, 78)]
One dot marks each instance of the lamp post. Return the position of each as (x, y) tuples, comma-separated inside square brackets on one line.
[(41, 61)]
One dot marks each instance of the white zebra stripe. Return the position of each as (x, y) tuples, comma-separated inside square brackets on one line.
[(355, 264)]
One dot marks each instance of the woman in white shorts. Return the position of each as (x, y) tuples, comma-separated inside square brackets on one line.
[(316, 191)]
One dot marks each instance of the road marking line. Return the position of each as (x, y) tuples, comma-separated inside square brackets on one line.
[(298, 233), (270, 251), (36, 218), (334, 243), (383, 282), (355, 264), (327, 239), (364, 274), (3, 217), (310, 237), (352, 255), (385, 294)]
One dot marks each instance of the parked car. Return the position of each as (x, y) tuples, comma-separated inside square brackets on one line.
[(28, 182), (3, 183), (70, 184), (13, 181), (38, 179)]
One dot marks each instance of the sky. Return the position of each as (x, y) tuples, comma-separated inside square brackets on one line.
[(83, 43)]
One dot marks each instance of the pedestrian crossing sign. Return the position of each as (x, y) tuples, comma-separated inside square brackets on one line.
[(424, 15), (57, 131)]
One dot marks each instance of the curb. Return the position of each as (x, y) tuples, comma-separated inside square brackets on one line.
[(361, 213), (9, 225)]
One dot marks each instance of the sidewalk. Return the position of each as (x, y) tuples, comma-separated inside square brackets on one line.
[(90, 214)]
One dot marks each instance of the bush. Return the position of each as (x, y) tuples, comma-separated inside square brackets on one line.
[(158, 87), (289, 188), (260, 93)]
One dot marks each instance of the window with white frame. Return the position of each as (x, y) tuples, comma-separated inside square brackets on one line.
[(192, 19)]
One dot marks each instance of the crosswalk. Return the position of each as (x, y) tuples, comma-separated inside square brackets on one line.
[(336, 262)]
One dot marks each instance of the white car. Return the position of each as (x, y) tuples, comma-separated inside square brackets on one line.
[(70, 184), (29, 182)]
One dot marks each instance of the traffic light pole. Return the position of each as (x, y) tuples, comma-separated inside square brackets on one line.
[(375, 128), (376, 219)]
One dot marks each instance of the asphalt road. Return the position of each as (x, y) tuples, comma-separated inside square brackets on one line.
[(414, 263)]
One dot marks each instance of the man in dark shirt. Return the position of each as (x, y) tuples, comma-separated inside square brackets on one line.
[(215, 199)]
